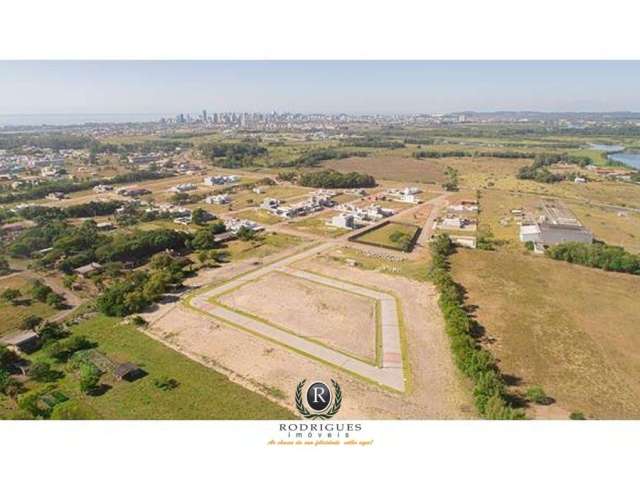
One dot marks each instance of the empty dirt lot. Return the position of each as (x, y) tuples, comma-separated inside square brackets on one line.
[(338, 319), (434, 388)]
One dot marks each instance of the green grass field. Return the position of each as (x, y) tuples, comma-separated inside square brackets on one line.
[(202, 393)]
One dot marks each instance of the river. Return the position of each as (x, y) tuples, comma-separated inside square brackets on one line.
[(616, 152)]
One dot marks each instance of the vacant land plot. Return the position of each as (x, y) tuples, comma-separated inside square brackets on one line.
[(570, 329), (414, 269), (434, 388), (202, 393), (396, 236), (611, 225), (317, 225), (259, 215), (392, 168), (11, 316), (266, 245), (336, 318)]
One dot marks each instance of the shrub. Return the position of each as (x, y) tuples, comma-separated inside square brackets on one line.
[(89, 378), (165, 383), (577, 416), (537, 395)]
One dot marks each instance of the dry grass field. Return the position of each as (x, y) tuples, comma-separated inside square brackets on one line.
[(570, 329), (338, 319), (12, 315), (392, 167)]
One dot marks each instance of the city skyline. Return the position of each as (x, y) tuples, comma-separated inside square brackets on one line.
[(351, 87)]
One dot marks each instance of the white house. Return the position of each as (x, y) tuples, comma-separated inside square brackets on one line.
[(218, 199), (343, 220)]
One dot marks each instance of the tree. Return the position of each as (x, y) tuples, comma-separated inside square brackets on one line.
[(402, 239), (200, 216), (39, 290), (42, 372), (217, 227), (537, 395), (7, 357), (246, 234), (31, 322), (71, 410), (165, 383), (89, 378), (10, 295), (203, 240), (4, 266), (55, 300)]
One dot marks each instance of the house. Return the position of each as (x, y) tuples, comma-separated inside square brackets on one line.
[(224, 237), (25, 341), (183, 220), (55, 196), (218, 199), (132, 191), (270, 203), (105, 226), (235, 224), (86, 270), (102, 188), (220, 180), (343, 220), (183, 187), (408, 198)]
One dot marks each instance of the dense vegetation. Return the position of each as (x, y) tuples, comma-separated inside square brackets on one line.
[(333, 179), (41, 213), (372, 142), (463, 153), (54, 141), (314, 157), (232, 155), (70, 186), (474, 361), (597, 255), (539, 172)]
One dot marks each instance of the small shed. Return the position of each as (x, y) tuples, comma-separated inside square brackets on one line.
[(128, 371), (25, 341), (88, 269)]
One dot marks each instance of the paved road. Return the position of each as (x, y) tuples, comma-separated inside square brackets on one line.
[(391, 372)]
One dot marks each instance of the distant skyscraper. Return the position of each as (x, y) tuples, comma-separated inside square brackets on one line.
[(204, 116)]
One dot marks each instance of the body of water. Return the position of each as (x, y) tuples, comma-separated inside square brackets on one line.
[(616, 152), (58, 119), (631, 159)]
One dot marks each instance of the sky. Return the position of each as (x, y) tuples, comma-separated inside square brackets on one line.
[(358, 87)]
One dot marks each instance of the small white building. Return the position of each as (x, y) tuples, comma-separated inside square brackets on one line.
[(183, 187), (221, 199), (529, 233), (343, 220), (220, 180)]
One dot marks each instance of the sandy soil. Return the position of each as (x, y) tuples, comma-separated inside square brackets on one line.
[(336, 318), (435, 389)]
